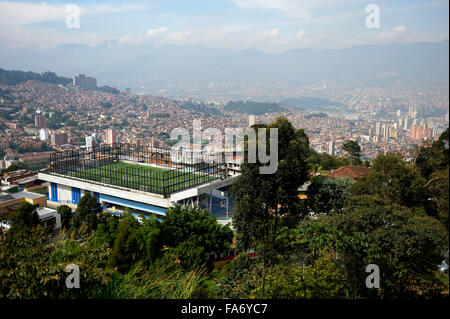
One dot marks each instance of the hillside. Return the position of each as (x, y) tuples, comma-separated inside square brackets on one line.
[(256, 108), (309, 103), (14, 77)]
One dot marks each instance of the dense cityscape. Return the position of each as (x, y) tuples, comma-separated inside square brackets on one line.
[(38, 115)]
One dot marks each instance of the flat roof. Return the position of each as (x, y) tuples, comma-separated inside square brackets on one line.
[(44, 212), (6, 197), (27, 180)]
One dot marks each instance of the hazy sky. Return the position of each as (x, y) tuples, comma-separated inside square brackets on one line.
[(267, 25)]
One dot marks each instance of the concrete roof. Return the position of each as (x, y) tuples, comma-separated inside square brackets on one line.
[(44, 212), (6, 197)]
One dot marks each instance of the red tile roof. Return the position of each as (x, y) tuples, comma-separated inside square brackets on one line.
[(350, 171)]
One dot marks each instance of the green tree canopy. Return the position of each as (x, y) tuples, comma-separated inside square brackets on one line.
[(126, 249), (406, 246), (354, 151), (193, 233), (87, 214), (24, 218), (261, 199), (66, 214), (393, 180), (326, 195)]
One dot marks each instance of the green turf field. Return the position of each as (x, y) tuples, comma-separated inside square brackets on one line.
[(142, 177)]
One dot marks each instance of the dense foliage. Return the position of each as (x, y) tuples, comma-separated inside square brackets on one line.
[(15, 77)]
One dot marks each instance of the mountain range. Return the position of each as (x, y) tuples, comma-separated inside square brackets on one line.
[(150, 69)]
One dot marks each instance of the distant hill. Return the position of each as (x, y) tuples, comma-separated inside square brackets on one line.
[(108, 89), (201, 108), (309, 103), (256, 108), (14, 77)]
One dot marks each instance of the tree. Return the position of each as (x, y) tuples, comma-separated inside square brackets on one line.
[(87, 214), (326, 195), (261, 199), (24, 265), (406, 246), (437, 188), (24, 218), (106, 232), (264, 203), (192, 234), (126, 249), (33, 267), (11, 168), (393, 180), (326, 161), (431, 157), (354, 151), (150, 235), (321, 280), (66, 214), (432, 160)]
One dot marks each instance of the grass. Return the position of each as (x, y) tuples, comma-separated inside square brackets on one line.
[(143, 177)]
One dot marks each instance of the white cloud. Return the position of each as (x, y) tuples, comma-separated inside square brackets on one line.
[(300, 34), (152, 33), (291, 8), (271, 33), (392, 34), (116, 7), (20, 13)]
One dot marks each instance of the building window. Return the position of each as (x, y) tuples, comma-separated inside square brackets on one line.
[(54, 192)]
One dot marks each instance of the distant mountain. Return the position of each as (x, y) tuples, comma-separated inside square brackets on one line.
[(156, 70), (309, 103), (201, 108), (250, 107)]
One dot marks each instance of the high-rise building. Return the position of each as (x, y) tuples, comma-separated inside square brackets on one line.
[(43, 135), (406, 123), (331, 149), (411, 111), (415, 132), (378, 129), (91, 141), (84, 81), (39, 121), (427, 133), (385, 130), (110, 136), (59, 138)]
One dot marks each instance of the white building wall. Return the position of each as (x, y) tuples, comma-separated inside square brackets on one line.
[(64, 193)]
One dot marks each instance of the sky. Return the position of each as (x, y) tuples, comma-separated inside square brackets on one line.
[(272, 26)]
